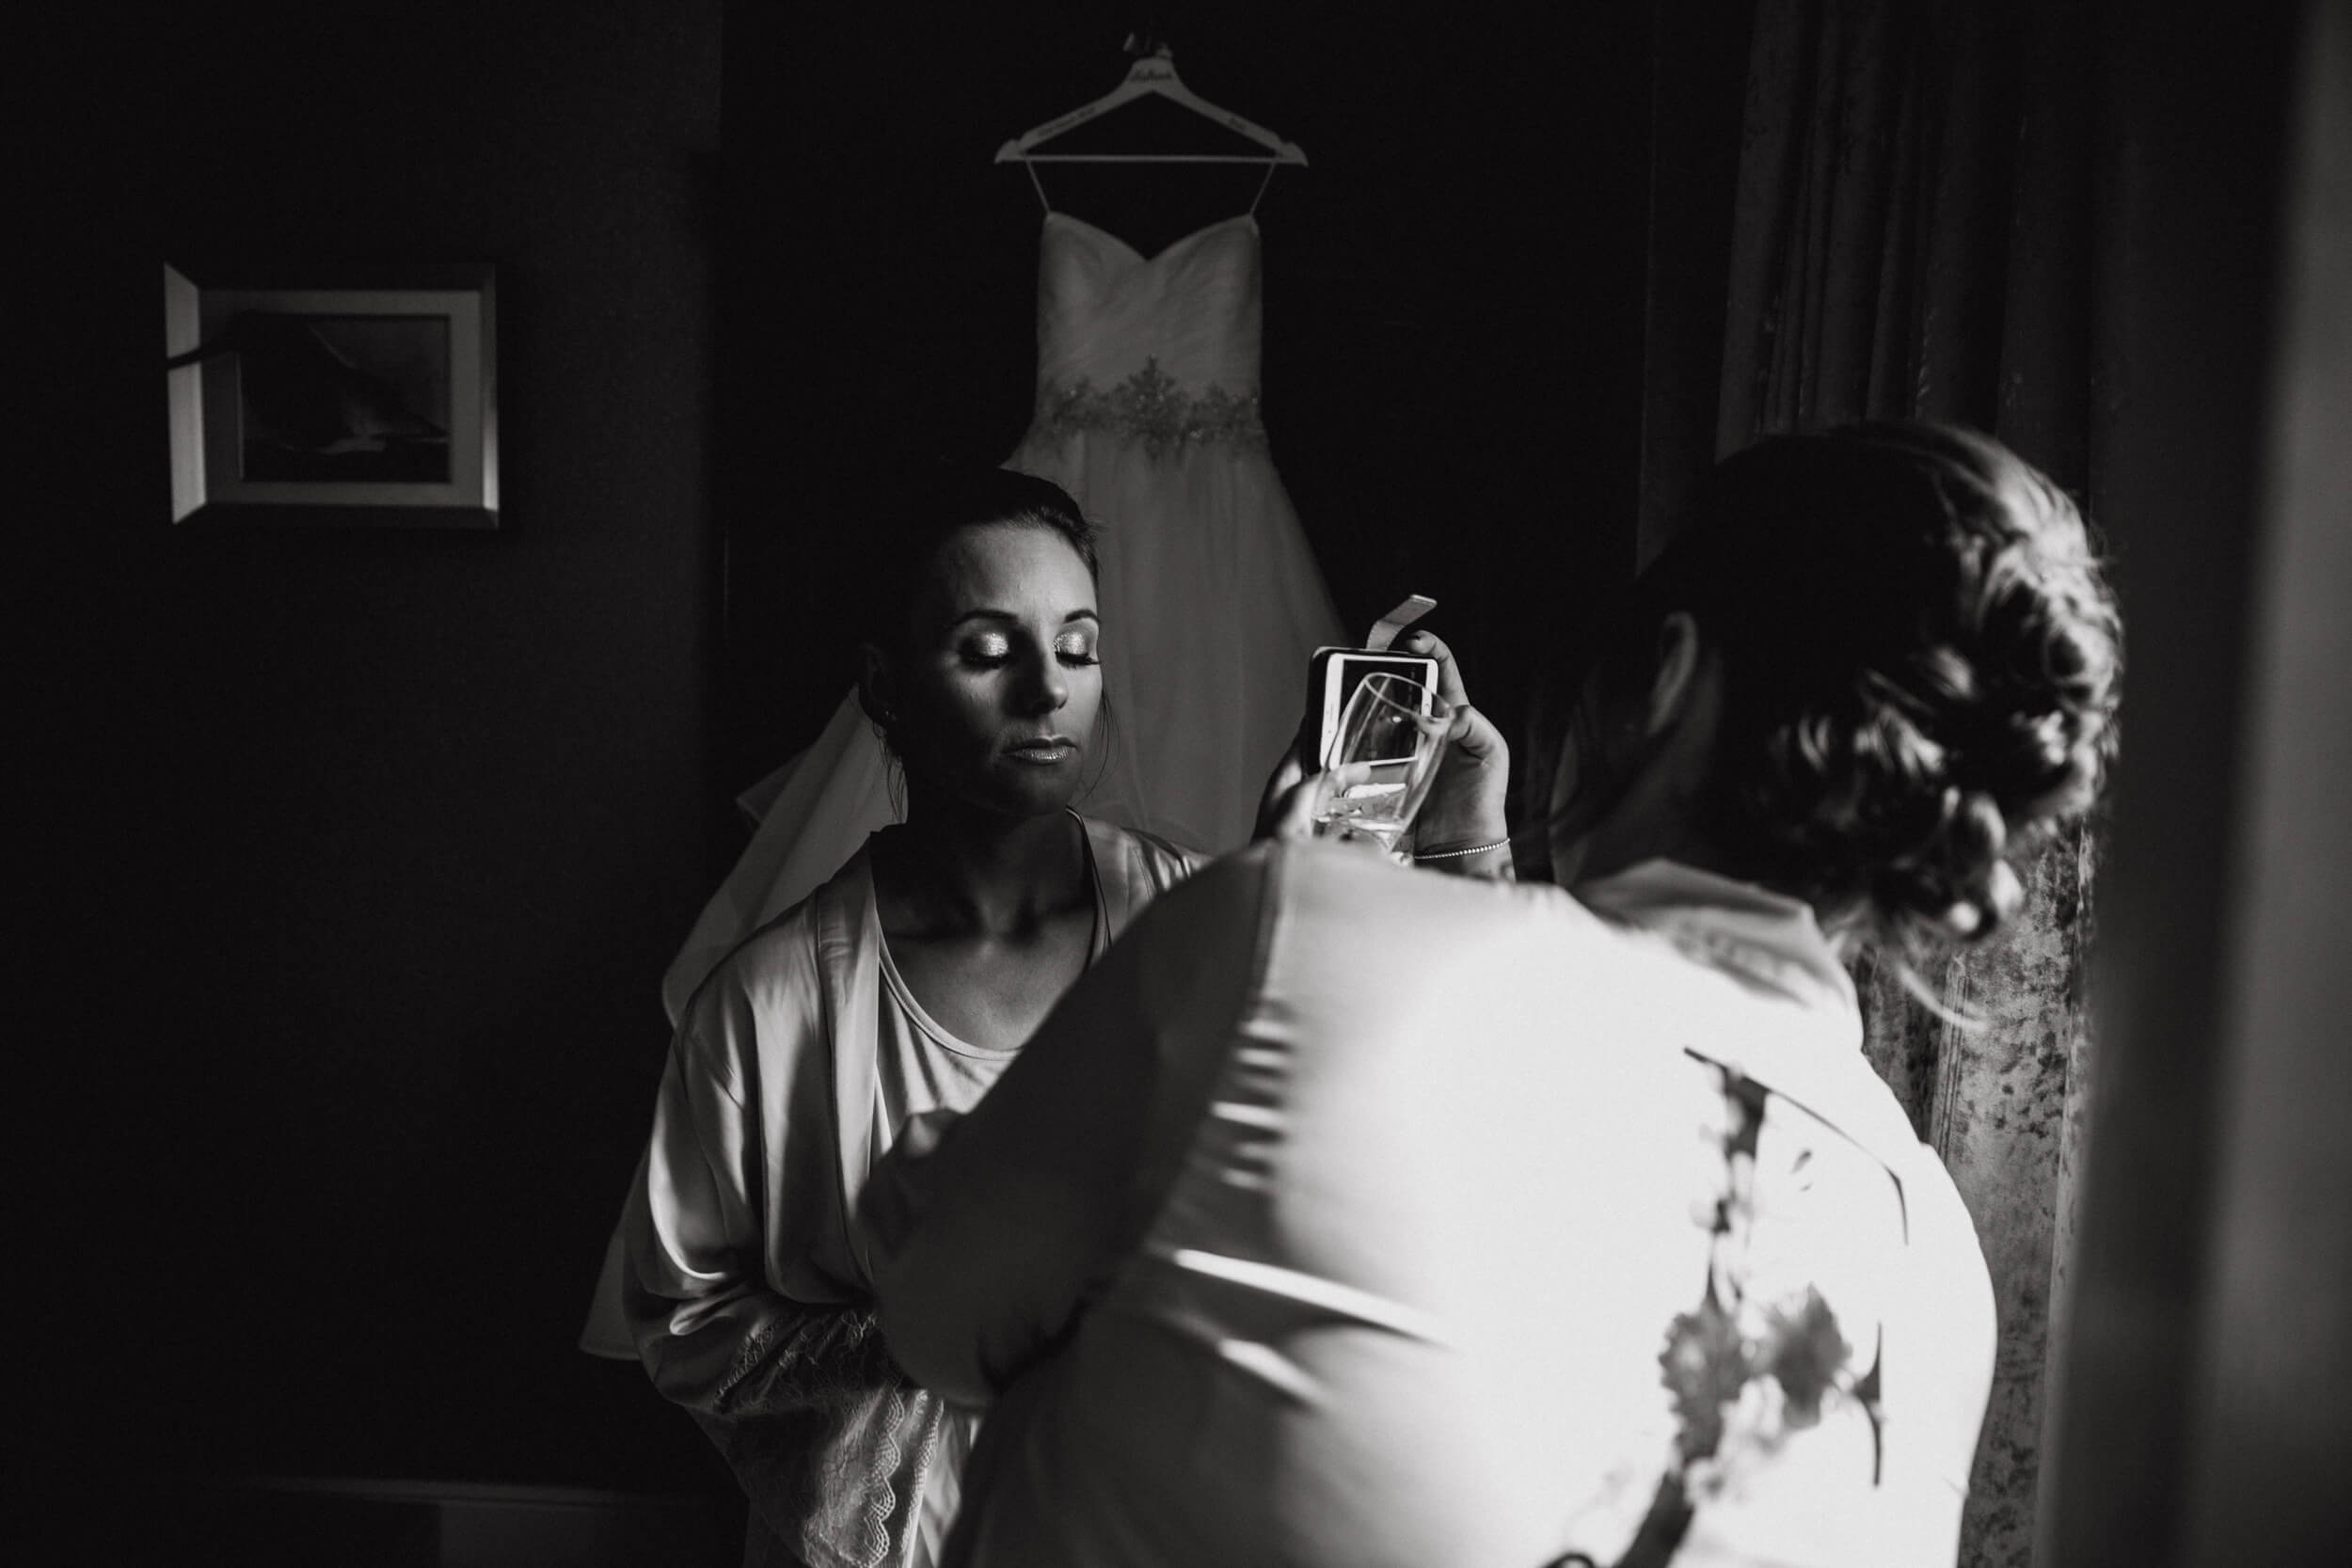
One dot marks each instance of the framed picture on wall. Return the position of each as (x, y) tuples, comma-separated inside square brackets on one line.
[(348, 402)]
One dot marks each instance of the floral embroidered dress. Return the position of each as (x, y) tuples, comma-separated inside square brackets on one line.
[(1147, 414)]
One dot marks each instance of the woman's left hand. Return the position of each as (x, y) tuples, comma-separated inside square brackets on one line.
[(1466, 802), (1295, 797)]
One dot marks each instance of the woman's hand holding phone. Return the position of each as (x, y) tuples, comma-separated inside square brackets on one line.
[(1465, 807)]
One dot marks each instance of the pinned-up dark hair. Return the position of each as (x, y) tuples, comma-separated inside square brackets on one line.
[(1922, 662), (933, 505)]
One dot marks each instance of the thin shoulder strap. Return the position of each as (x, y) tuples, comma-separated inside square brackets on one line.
[(1253, 200), (1117, 870), (1040, 185)]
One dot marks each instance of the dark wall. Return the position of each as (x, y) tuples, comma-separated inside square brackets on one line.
[(390, 833)]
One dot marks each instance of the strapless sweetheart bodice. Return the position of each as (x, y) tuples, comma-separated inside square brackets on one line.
[(1161, 349)]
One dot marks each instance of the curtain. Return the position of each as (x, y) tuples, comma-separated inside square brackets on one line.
[(1894, 222)]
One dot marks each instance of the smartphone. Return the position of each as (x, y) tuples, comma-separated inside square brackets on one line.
[(1333, 677)]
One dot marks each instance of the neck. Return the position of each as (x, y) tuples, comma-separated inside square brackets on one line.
[(1653, 788), (955, 866), (1651, 819), (1676, 836)]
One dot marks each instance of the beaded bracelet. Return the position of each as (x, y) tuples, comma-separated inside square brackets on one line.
[(1455, 854)]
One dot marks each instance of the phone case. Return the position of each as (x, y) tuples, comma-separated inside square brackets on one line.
[(1319, 720)]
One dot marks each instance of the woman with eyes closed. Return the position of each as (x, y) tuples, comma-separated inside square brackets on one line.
[(902, 986)]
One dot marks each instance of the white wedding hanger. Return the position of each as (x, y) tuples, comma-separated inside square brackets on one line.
[(1153, 75)]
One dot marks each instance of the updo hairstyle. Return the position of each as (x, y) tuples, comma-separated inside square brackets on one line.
[(1921, 663)]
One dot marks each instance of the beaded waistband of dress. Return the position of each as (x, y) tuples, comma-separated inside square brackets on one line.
[(1152, 408)]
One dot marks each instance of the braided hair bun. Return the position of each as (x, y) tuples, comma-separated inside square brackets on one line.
[(1922, 662)]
